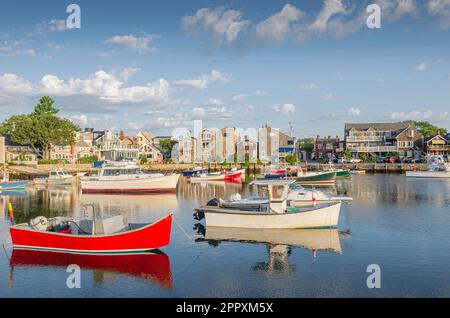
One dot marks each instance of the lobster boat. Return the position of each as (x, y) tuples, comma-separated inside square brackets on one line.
[(277, 215), (97, 236), (217, 176)]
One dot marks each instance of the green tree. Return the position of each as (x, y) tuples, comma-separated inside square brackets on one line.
[(347, 153), (291, 159), (307, 146), (40, 129), (143, 159), (166, 145), (428, 130)]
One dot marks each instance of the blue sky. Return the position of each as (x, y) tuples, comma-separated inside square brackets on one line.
[(159, 65)]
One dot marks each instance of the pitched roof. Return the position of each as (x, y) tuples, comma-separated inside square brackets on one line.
[(396, 127), (9, 142), (148, 135), (82, 144)]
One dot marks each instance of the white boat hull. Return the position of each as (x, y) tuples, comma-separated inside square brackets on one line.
[(428, 174), (318, 217), (123, 183), (55, 181)]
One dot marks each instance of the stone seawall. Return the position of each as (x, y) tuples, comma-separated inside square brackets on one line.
[(30, 172)]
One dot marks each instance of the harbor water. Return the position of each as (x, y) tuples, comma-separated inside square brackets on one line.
[(400, 224)]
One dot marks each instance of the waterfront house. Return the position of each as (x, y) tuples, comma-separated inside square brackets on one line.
[(151, 152), (382, 139), (145, 137), (437, 146), (17, 153), (209, 146), (82, 149), (286, 146), (247, 150), (268, 144), (230, 138), (328, 148), (61, 152), (184, 151), (110, 147)]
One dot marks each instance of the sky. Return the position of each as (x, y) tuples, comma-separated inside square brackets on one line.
[(160, 65)]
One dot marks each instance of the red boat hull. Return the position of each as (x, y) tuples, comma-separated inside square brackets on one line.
[(149, 237), (154, 267)]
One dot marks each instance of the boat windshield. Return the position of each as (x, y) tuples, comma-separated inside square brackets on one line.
[(296, 186), (116, 171)]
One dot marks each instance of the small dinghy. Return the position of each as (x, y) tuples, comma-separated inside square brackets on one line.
[(217, 176), (105, 236), (277, 215)]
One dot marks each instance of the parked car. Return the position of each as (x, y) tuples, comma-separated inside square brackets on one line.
[(392, 160), (406, 160), (381, 160), (355, 160), (342, 160)]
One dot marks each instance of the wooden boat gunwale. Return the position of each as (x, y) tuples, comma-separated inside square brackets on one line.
[(16, 227)]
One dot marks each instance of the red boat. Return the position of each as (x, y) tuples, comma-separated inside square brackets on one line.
[(114, 237), (154, 267)]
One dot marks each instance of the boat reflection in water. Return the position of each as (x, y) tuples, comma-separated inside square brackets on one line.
[(279, 242), (132, 207), (154, 267)]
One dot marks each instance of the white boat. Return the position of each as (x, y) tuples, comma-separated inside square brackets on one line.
[(127, 177), (216, 176), (56, 176), (438, 167), (277, 216), (297, 196)]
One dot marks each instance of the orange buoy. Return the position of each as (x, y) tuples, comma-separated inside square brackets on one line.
[(11, 213)]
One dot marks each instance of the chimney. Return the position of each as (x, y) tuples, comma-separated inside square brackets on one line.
[(121, 135)]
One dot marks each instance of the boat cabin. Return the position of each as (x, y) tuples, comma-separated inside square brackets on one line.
[(278, 193)]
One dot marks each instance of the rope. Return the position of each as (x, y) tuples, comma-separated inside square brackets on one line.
[(182, 230)]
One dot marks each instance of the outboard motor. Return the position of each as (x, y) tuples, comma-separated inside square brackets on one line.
[(213, 202)]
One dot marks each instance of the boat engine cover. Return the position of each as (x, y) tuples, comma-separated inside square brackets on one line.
[(40, 223)]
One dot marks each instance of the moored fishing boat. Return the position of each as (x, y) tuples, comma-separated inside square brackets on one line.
[(13, 185), (107, 236), (127, 178), (316, 178), (438, 167), (194, 171), (341, 173), (56, 176), (277, 215), (218, 176)]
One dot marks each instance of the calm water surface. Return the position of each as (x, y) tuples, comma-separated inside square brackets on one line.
[(398, 223)]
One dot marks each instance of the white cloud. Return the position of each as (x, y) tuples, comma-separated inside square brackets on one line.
[(11, 83), (55, 46), (284, 109), (307, 86), (422, 67), (223, 24), (329, 9), (127, 72), (411, 115), (138, 44), (278, 27), (203, 81), (239, 97), (53, 25), (80, 119), (107, 87), (13, 52), (260, 93), (354, 112), (214, 101), (441, 9), (327, 96)]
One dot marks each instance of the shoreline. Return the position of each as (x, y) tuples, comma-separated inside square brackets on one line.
[(25, 172)]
